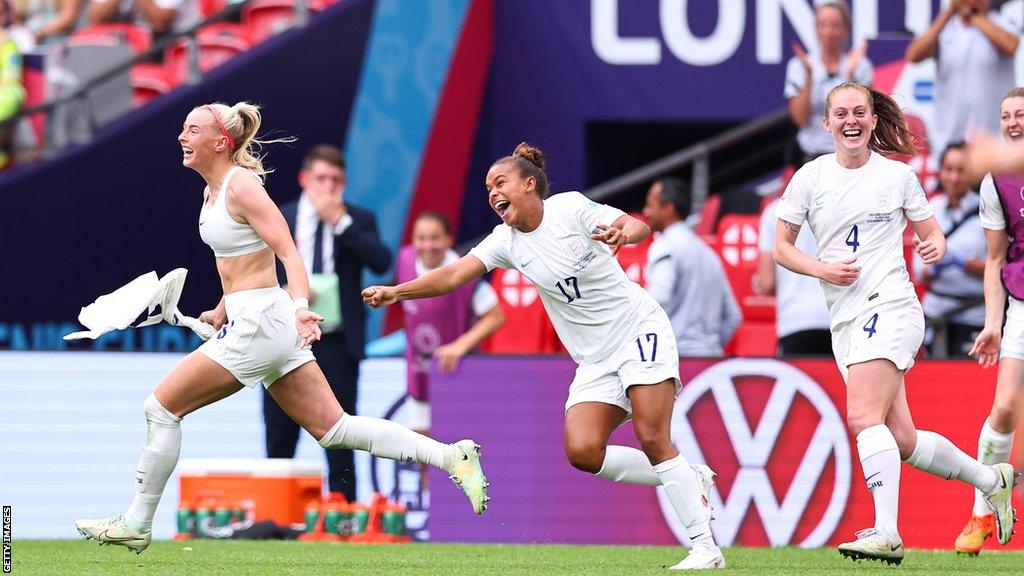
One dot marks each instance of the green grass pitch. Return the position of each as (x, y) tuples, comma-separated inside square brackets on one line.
[(238, 558)]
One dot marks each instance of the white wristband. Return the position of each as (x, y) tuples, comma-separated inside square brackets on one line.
[(301, 303)]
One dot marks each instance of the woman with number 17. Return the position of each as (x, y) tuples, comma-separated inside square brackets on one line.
[(857, 203), (617, 334)]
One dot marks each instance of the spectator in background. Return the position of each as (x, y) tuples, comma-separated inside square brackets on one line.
[(801, 315), (445, 327), (686, 277), (160, 16), (336, 241), (13, 16), (809, 76), (441, 327), (12, 90), (974, 47), (54, 20), (957, 279)]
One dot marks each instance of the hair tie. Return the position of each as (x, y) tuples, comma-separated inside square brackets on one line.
[(223, 130)]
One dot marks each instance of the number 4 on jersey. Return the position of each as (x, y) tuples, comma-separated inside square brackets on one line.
[(851, 238), (870, 326)]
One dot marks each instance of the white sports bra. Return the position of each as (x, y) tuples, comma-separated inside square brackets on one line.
[(225, 235)]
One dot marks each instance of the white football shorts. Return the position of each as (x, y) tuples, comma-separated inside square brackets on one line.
[(891, 330), (259, 343), (648, 356), (1012, 345)]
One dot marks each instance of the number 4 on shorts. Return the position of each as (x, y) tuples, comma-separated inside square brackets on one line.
[(870, 326)]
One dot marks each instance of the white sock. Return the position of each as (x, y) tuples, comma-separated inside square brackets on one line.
[(880, 461), (629, 466), (680, 485), (993, 447), (157, 461), (387, 439), (937, 455)]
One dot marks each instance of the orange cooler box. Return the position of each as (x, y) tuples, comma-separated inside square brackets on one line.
[(275, 488)]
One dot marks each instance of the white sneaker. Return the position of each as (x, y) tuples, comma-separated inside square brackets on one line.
[(706, 481), (702, 558), (114, 531), (873, 544), (467, 473), (1000, 501)]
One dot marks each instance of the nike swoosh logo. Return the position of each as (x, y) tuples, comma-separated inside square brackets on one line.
[(868, 479), (527, 263), (113, 539), (895, 547)]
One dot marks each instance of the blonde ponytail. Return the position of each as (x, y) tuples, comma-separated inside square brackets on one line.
[(242, 122)]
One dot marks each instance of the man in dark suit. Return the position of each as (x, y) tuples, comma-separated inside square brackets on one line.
[(336, 240)]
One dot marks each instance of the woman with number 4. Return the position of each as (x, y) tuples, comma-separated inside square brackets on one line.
[(857, 203), (617, 334)]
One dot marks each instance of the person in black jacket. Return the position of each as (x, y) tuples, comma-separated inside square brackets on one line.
[(336, 241)]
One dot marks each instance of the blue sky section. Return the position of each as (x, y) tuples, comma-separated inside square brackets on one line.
[(407, 61)]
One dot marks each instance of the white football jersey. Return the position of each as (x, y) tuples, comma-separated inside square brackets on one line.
[(859, 213), (592, 304), (991, 207)]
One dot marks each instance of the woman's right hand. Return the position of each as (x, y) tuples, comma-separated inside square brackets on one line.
[(216, 318), (377, 296), (842, 273), (986, 346)]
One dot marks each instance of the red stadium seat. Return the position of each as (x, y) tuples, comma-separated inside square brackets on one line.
[(210, 7), (738, 250), (114, 34), (218, 43), (149, 81), (527, 329), (264, 18), (757, 338), (708, 215), (633, 257)]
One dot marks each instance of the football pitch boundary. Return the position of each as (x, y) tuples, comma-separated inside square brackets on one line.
[(278, 558)]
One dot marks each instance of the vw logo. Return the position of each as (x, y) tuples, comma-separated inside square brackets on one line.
[(780, 505)]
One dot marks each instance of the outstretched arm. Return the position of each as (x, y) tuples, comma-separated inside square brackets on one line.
[(434, 283)]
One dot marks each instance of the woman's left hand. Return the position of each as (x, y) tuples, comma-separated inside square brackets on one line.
[(611, 236), (307, 323)]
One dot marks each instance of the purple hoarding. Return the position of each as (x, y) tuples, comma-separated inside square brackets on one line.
[(513, 407)]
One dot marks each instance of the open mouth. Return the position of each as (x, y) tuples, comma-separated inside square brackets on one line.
[(187, 152), (1016, 135), (852, 133), (501, 207)]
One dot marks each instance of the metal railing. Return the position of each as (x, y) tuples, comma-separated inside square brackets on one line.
[(78, 97), (699, 155)]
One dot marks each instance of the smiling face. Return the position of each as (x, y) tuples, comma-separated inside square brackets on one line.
[(200, 139), (430, 241), (850, 120), (830, 26), (1011, 119), (511, 196)]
